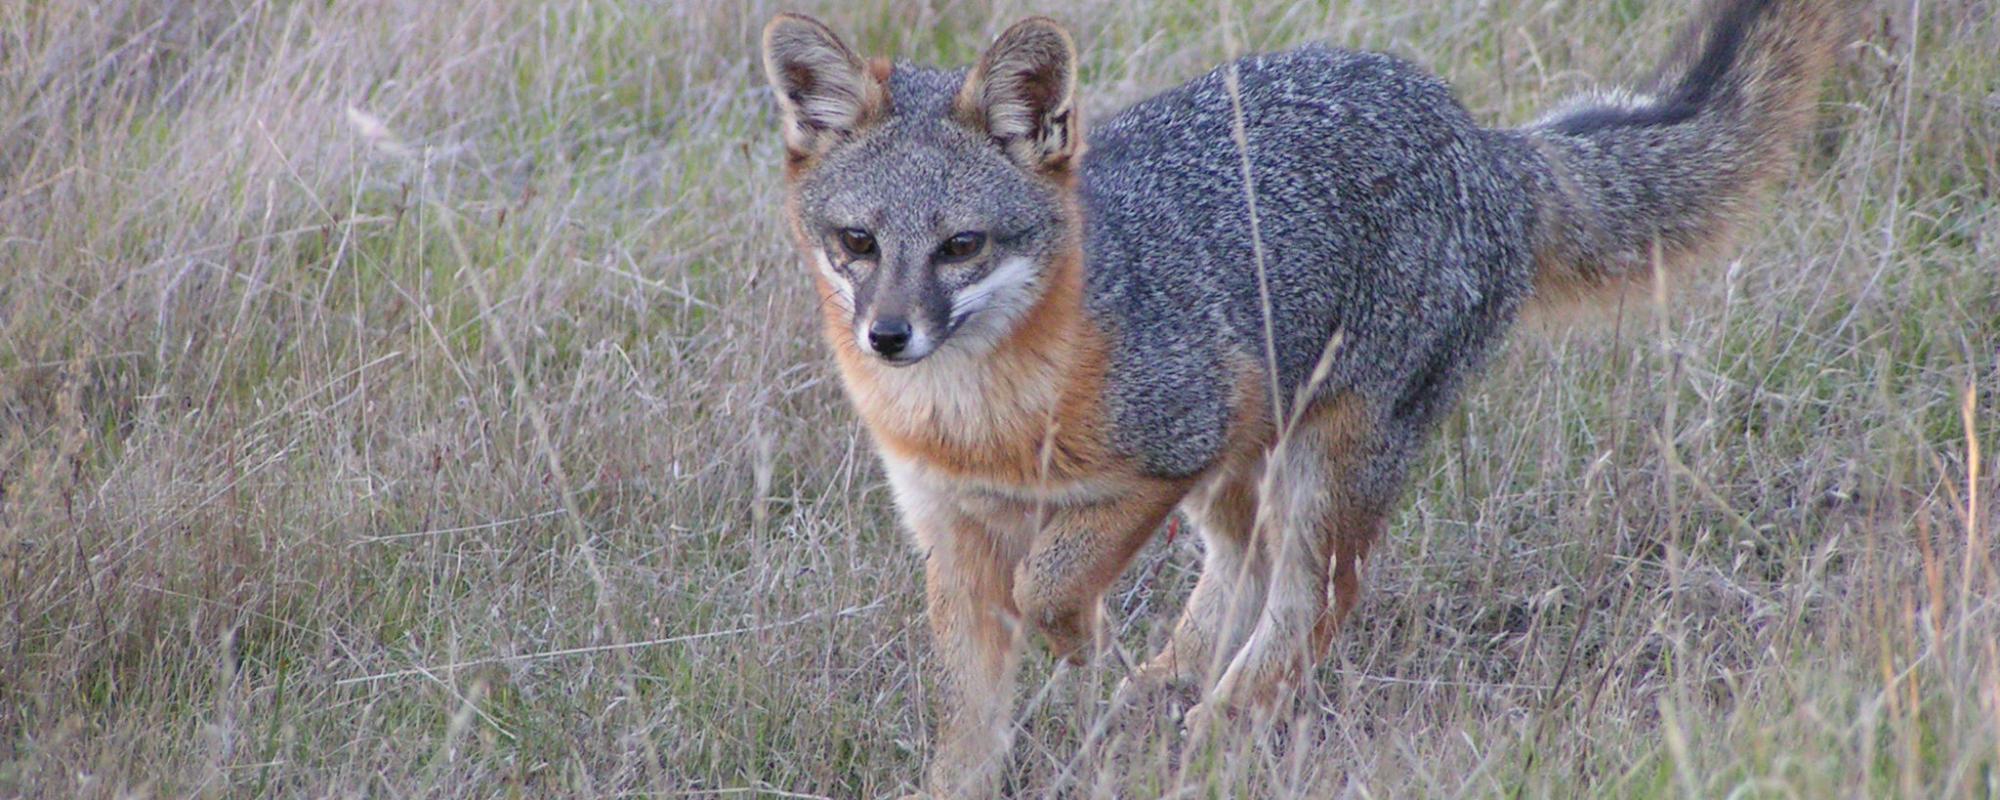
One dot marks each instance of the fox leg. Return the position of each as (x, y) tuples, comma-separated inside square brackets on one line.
[(977, 632), (1316, 521), (1351, 544), (1223, 608), (1059, 587)]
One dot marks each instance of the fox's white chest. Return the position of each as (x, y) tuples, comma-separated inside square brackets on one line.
[(931, 499)]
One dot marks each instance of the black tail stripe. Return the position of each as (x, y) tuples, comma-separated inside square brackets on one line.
[(1693, 91)]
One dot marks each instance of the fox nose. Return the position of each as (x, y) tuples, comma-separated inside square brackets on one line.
[(889, 336)]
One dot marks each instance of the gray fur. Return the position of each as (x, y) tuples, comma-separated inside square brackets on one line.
[(1386, 213)]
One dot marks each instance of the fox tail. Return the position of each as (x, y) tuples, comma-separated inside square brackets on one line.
[(1657, 175)]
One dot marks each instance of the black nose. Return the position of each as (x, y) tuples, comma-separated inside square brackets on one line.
[(889, 336)]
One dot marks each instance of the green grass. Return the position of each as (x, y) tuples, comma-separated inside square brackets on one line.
[(263, 438)]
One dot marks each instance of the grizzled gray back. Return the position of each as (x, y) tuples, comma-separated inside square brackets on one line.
[(1385, 213)]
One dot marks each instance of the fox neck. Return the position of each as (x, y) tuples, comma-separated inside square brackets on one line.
[(1024, 411)]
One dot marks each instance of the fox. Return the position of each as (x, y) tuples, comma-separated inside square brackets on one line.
[(1246, 300)]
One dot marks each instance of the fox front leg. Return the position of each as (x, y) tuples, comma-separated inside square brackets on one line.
[(976, 634), (1059, 587)]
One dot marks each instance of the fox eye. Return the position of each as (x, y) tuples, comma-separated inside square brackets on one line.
[(857, 242), (962, 246)]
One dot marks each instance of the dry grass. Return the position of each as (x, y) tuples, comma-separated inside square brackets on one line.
[(401, 400)]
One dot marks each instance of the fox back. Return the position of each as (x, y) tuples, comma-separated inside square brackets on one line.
[(1381, 213)]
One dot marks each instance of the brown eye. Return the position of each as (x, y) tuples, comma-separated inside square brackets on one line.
[(857, 242), (961, 246)]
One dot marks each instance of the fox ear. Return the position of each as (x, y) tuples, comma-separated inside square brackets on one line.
[(1023, 94), (825, 92)]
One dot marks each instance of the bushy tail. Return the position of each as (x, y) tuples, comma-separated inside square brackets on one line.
[(1664, 172)]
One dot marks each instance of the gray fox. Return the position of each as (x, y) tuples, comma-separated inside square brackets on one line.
[(1254, 317)]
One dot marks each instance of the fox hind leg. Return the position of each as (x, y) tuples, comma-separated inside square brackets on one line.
[(1223, 608), (1351, 544), (1317, 516)]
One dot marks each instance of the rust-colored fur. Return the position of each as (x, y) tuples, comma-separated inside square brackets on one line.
[(1042, 417)]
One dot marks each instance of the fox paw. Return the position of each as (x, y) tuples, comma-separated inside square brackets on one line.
[(1202, 717), (1072, 636)]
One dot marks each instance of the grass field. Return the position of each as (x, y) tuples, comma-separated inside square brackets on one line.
[(410, 399)]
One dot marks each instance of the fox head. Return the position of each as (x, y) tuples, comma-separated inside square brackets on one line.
[(931, 204)]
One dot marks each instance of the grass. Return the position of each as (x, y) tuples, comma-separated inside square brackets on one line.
[(409, 400)]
